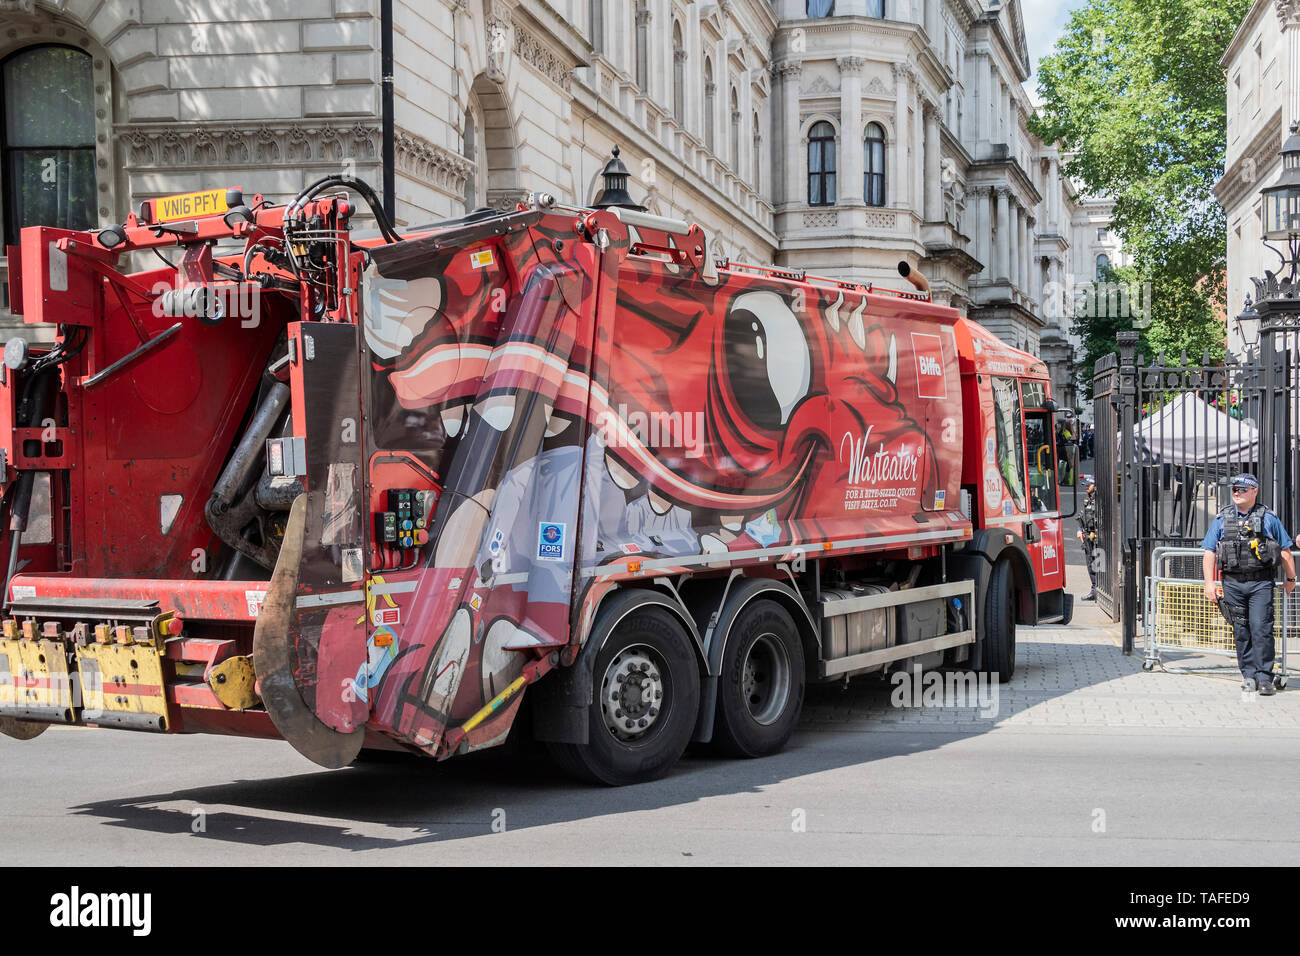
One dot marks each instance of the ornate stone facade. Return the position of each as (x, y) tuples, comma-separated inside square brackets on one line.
[(711, 103)]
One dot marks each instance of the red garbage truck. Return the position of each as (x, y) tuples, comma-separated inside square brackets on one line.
[(396, 490)]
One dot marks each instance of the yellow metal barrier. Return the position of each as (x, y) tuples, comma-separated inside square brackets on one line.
[(1181, 617)]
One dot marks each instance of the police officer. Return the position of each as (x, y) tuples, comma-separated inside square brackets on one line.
[(1247, 543), (1088, 537)]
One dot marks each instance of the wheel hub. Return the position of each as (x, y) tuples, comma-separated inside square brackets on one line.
[(765, 679), (632, 692)]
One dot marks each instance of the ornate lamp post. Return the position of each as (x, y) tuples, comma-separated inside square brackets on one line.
[(1277, 301), (1248, 328), (615, 194)]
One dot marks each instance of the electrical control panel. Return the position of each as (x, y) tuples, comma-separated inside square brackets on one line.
[(405, 522)]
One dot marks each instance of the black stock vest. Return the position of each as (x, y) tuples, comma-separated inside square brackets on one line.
[(1246, 547)]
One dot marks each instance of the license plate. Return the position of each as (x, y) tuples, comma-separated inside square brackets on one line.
[(190, 205)]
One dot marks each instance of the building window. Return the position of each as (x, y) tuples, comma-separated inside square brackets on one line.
[(821, 165), (876, 8), (709, 90), (821, 8), (475, 150), (1103, 266), (679, 75), (596, 16), (735, 130), (1101, 235), (873, 188), (48, 144), (642, 15)]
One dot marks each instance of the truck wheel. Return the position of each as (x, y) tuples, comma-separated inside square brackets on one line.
[(645, 701), (760, 690), (1000, 624)]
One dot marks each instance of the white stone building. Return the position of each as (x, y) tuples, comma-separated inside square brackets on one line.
[(837, 136), (1263, 78)]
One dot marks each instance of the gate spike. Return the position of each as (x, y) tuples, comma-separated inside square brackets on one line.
[(1183, 356), (1205, 356)]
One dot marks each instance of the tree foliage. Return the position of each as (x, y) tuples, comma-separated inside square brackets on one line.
[(1135, 92)]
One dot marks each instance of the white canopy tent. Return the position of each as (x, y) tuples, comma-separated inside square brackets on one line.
[(1190, 431)]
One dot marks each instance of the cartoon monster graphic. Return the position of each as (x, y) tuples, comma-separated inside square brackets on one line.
[(702, 417)]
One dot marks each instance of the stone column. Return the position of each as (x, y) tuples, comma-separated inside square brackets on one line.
[(793, 187), (918, 151), (852, 162), (899, 170), (1288, 13), (1003, 266), (933, 176), (984, 232), (1035, 267), (1015, 250), (1058, 294), (1054, 194)]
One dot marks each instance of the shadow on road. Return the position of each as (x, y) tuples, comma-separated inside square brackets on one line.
[(407, 801)]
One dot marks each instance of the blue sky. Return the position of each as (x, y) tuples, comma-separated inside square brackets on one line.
[(1044, 20)]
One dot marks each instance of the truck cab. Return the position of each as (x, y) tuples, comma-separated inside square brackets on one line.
[(1014, 474)]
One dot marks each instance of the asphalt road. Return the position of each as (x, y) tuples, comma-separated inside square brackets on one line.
[(1088, 761)]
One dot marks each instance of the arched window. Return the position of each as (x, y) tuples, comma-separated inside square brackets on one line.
[(873, 146), (758, 155), (821, 8), (475, 150), (709, 90), (1103, 266), (679, 75), (596, 17), (642, 15), (821, 164), (735, 130), (876, 8), (49, 139)]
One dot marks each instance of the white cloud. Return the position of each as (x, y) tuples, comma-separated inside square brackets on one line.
[(1044, 22)]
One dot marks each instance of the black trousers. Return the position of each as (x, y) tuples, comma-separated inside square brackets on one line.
[(1252, 603)]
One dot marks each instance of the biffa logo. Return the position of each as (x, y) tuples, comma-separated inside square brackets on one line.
[(930, 380)]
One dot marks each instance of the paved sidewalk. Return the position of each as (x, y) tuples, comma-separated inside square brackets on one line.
[(1074, 679)]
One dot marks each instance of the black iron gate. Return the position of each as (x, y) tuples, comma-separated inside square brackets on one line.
[(1169, 438)]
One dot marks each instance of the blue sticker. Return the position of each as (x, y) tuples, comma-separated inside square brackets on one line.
[(1007, 509), (550, 541)]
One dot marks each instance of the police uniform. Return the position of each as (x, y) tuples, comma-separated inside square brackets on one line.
[(1247, 550), (1088, 525)]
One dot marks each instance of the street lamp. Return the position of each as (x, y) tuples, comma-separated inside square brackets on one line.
[(1282, 217), (1248, 325)]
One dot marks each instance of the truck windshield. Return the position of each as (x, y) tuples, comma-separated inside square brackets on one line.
[(1042, 462), (1011, 449)]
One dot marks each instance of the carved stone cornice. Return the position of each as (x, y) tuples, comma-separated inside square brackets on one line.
[(1288, 13), (530, 48), (851, 65), (903, 69), (431, 164), (200, 146), (643, 15), (787, 69)]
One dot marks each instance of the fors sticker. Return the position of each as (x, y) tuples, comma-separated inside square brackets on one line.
[(550, 541)]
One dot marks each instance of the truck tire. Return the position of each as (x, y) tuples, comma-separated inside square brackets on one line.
[(761, 685), (999, 637), (646, 675)]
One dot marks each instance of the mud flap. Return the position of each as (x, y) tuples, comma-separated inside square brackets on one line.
[(20, 729), (273, 659)]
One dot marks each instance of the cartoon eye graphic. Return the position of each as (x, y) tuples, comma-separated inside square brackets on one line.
[(768, 361)]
